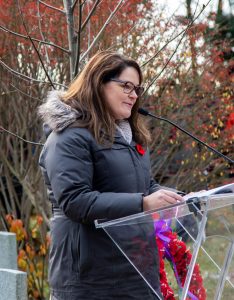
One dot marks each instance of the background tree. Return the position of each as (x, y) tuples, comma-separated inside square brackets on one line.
[(196, 92), (187, 75)]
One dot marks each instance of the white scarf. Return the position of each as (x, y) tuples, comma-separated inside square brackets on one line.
[(124, 128)]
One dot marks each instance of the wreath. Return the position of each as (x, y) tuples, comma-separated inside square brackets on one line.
[(175, 251)]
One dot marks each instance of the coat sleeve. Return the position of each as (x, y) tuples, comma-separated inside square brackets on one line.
[(154, 186), (67, 159)]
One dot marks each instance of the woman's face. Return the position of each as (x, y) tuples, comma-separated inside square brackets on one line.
[(119, 102)]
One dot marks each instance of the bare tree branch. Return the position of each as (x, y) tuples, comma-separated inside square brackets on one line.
[(74, 5), (90, 14), (23, 76), (52, 7), (184, 32), (175, 37), (71, 35), (76, 69), (26, 186), (35, 48), (40, 30), (35, 40), (20, 91), (102, 29), (113, 45), (19, 137)]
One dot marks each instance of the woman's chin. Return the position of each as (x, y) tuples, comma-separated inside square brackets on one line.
[(123, 114)]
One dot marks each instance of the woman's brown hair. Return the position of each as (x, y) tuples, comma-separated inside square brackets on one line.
[(85, 94)]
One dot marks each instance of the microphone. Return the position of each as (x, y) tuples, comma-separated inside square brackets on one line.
[(144, 112)]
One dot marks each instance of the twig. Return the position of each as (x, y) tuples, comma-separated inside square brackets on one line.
[(23, 76), (77, 59), (35, 48), (102, 29), (40, 30), (19, 137), (20, 91), (74, 5), (185, 31), (35, 40), (90, 14), (175, 37), (52, 7)]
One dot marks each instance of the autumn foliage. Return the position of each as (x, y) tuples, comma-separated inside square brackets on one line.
[(192, 86), (32, 253)]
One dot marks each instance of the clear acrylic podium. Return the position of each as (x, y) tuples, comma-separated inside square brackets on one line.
[(207, 225)]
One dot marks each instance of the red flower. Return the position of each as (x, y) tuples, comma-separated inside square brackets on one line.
[(181, 256), (140, 149), (230, 121)]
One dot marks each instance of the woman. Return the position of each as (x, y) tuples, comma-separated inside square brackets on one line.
[(93, 170)]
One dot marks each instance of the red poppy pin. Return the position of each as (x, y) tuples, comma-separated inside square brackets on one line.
[(140, 149)]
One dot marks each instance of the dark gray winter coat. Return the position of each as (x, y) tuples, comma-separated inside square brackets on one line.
[(86, 182)]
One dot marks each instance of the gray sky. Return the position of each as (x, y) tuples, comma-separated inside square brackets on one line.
[(179, 6)]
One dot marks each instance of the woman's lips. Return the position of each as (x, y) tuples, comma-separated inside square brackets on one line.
[(128, 104)]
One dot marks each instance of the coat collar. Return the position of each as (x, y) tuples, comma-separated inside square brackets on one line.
[(57, 114), (119, 139)]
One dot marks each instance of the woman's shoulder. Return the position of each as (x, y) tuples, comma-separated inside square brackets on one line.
[(67, 145), (71, 135), (75, 141)]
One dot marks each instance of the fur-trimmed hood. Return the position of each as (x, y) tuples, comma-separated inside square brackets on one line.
[(55, 113)]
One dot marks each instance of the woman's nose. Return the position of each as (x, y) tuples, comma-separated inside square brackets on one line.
[(133, 94)]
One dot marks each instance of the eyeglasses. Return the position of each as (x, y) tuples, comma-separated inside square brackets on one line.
[(128, 87)]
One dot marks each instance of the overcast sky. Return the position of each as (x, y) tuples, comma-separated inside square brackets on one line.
[(179, 5)]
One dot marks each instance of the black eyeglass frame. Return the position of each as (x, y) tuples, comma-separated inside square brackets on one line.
[(139, 90)]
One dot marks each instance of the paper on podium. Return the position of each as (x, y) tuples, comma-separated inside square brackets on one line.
[(228, 188), (209, 274)]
